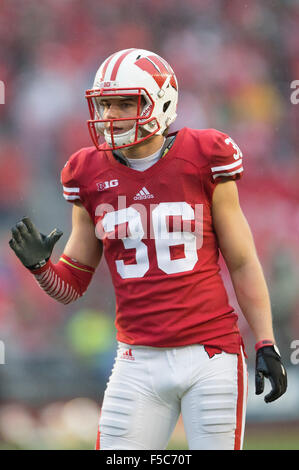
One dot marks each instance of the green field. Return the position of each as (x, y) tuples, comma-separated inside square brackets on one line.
[(281, 437), (274, 436)]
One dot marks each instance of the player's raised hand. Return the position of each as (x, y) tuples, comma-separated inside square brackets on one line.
[(31, 246), (269, 365)]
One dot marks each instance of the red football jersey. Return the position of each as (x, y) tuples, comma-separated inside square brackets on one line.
[(158, 238)]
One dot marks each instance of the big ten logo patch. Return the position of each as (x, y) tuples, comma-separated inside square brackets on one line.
[(106, 185)]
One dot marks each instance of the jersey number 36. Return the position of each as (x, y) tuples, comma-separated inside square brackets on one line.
[(163, 239)]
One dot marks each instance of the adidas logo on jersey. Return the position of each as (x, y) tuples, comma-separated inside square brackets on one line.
[(143, 194), (128, 355)]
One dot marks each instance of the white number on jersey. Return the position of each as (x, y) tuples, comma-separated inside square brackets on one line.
[(237, 155), (163, 239)]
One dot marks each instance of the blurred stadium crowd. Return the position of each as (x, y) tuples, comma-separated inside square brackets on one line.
[(235, 61)]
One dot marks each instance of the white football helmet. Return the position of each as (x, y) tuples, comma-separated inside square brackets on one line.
[(133, 72)]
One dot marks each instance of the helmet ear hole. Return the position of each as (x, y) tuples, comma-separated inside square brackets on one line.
[(166, 106)]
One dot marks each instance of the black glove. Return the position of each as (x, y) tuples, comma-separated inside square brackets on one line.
[(268, 364), (32, 247)]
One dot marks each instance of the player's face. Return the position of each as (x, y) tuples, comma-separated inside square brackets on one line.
[(118, 108)]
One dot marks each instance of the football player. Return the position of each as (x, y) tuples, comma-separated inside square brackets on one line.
[(160, 206)]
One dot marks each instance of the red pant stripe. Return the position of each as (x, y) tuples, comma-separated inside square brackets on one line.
[(240, 402)]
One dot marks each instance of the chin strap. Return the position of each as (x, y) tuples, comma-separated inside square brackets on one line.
[(167, 145), (169, 141), (118, 155)]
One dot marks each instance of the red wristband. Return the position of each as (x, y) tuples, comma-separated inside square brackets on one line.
[(64, 281), (262, 343)]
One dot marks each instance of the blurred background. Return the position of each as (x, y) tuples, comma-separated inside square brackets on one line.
[(235, 61)]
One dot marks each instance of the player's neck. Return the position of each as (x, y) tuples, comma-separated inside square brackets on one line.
[(144, 149)]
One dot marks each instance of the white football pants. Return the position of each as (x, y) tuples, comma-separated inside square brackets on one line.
[(150, 387)]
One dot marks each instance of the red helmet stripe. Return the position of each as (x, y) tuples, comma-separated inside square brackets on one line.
[(106, 63), (118, 62)]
